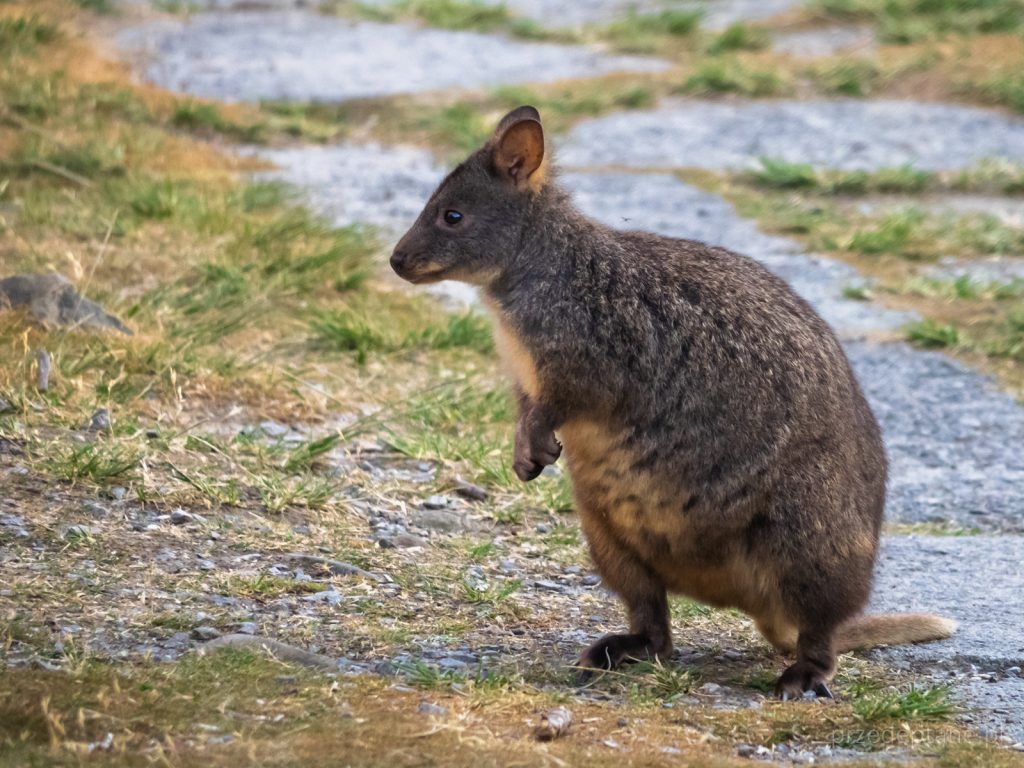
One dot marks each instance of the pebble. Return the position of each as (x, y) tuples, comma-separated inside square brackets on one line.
[(471, 492), (95, 509), (590, 580), (100, 421), (248, 628), (273, 428), (80, 532), (437, 502), (180, 517), (437, 520), (205, 633), (426, 708)]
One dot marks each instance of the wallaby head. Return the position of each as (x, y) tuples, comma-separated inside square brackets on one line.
[(473, 223)]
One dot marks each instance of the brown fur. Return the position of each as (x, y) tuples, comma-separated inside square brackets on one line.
[(718, 443)]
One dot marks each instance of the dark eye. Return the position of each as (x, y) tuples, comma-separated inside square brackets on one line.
[(451, 218)]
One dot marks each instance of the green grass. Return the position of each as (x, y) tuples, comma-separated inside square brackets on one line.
[(910, 21), (455, 14), (847, 77), (207, 118), (904, 179), (933, 335), (646, 32), (90, 461), (739, 37), (891, 236), (23, 34), (363, 333), (782, 174), (726, 74), (916, 703), (1005, 88)]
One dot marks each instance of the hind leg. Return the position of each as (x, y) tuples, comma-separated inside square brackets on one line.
[(650, 632), (815, 665)]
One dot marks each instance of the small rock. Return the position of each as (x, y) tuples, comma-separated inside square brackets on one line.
[(248, 628), (465, 490), (207, 565), (550, 586), (426, 708), (437, 520), (79, 532), (95, 509), (590, 580), (179, 516), (407, 541), (436, 502), (745, 750), (118, 492), (273, 428), (543, 528), (711, 689), (205, 633), (100, 421)]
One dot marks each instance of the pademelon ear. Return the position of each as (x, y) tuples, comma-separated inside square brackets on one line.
[(518, 147)]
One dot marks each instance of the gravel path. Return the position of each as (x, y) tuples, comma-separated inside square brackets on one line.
[(851, 135), (248, 56)]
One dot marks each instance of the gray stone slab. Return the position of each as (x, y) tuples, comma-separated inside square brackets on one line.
[(954, 440), (305, 56), (979, 581), (837, 134)]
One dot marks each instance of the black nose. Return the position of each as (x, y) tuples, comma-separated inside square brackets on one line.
[(398, 260)]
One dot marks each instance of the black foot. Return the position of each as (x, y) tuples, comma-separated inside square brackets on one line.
[(800, 678), (612, 651)]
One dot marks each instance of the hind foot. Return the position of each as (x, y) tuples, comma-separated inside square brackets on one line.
[(612, 651), (802, 677)]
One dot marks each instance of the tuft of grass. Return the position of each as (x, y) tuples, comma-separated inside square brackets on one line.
[(891, 236), (739, 37), (911, 21), (494, 594), (782, 174), (207, 118), (645, 32), (726, 74), (857, 293), (24, 33), (303, 457), (356, 331), (91, 461), (268, 587), (1005, 88), (847, 77), (915, 704), (933, 335)]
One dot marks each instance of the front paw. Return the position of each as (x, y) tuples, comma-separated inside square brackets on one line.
[(532, 455)]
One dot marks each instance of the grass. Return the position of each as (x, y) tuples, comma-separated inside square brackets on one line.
[(910, 21), (646, 32), (728, 74), (739, 37), (455, 14), (933, 335), (916, 703)]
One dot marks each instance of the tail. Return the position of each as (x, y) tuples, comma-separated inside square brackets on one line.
[(892, 629)]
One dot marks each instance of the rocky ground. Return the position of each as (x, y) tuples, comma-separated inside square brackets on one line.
[(419, 562)]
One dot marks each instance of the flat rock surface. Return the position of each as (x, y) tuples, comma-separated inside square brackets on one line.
[(975, 580), (836, 134), (305, 56)]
